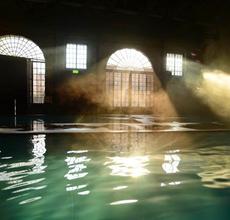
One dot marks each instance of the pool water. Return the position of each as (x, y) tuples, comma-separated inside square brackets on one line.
[(115, 175)]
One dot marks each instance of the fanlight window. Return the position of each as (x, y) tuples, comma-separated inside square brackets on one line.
[(19, 46), (129, 79), (129, 59)]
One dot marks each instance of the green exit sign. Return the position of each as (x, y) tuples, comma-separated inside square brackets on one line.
[(75, 72)]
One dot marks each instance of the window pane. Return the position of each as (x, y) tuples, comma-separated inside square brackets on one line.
[(18, 46), (38, 82), (71, 56), (129, 79), (129, 59), (76, 56), (174, 64), (81, 56)]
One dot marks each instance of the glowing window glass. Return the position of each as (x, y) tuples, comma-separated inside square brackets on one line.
[(81, 56), (71, 52), (129, 79), (38, 82), (76, 56), (174, 64), (129, 59), (19, 46)]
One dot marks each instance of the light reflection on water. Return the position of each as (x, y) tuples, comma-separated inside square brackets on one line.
[(16, 174), (119, 187), (133, 166), (215, 172), (77, 168), (122, 202), (130, 173), (171, 162), (170, 166)]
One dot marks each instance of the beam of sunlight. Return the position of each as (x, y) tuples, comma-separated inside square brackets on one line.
[(215, 91), (217, 77), (211, 86)]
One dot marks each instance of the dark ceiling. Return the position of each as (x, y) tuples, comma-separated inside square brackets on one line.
[(200, 12), (193, 19)]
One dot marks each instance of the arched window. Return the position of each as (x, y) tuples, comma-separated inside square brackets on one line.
[(19, 46), (129, 59), (129, 79)]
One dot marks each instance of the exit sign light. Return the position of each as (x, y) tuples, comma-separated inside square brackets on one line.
[(75, 72)]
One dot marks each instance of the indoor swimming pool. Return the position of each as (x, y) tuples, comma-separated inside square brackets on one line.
[(114, 168)]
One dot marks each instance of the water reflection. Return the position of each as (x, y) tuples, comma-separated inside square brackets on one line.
[(18, 175), (127, 142), (95, 183), (120, 187), (170, 166), (39, 150), (215, 169), (133, 166), (122, 202), (38, 125), (171, 162), (30, 200), (170, 183), (77, 164)]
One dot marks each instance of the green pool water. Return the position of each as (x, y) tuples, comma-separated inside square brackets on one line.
[(109, 176)]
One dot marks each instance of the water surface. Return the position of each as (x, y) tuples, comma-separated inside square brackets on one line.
[(115, 175)]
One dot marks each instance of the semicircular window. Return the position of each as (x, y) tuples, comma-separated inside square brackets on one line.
[(129, 59)]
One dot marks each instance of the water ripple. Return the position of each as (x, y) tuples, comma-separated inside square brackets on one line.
[(30, 200), (22, 184), (128, 166), (123, 202)]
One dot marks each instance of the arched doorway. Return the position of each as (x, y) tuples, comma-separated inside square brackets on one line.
[(129, 80), (18, 46)]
